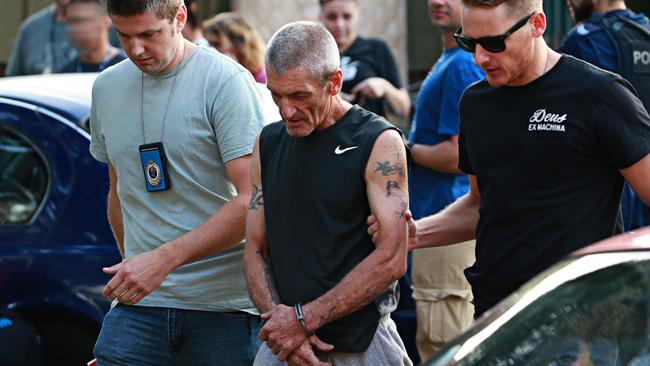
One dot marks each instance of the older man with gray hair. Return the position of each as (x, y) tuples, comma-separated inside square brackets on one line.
[(316, 276)]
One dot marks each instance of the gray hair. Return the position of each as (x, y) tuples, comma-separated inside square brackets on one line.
[(303, 45)]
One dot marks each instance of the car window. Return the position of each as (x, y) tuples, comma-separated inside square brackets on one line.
[(601, 318), (23, 179)]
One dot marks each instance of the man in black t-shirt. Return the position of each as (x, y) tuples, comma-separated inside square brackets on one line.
[(311, 269), (370, 75), (367, 64), (547, 141)]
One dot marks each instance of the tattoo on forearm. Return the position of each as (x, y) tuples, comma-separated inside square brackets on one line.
[(270, 283), (327, 318), (257, 198), (385, 169), (268, 278)]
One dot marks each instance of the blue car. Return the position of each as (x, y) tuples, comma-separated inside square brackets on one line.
[(54, 234)]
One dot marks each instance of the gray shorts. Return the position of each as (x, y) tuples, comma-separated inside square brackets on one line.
[(386, 349)]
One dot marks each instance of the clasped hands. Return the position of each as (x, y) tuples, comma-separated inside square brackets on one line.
[(288, 341)]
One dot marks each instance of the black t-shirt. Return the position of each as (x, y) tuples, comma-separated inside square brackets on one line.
[(77, 66), (546, 156), (366, 58), (315, 207)]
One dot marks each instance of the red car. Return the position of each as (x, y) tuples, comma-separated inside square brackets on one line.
[(593, 308)]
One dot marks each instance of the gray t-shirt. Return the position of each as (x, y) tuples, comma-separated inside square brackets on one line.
[(214, 115), (41, 46)]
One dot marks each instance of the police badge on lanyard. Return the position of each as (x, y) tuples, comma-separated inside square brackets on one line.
[(154, 165), (154, 161)]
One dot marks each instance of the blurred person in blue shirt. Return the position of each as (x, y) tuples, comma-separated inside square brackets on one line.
[(440, 289), (41, 44), (88, 33)]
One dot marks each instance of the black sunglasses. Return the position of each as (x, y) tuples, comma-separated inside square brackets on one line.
[(493, 44)]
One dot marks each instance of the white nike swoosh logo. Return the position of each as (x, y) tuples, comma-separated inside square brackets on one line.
[(339, 151)]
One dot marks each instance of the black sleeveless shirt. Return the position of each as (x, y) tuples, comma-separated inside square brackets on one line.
[(315, 207)]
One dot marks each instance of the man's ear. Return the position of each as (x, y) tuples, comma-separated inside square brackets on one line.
[(107, 22), (539, 24), (181, 18), (337, 82)]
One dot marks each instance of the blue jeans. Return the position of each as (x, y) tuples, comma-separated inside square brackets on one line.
[(139, 336)]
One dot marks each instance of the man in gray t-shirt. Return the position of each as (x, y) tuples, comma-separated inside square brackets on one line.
[(42, 43), (178, 217)]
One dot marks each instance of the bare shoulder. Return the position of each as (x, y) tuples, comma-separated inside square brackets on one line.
[(388, 157), (390, 139), (387, 177)]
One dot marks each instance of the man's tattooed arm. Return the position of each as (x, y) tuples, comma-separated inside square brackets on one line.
[(269, 280), (386, 169), (387, 190), (258, 268), (393, 190), (257, 198)]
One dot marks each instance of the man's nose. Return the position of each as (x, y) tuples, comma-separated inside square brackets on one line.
[(287, 110), (481, 56), (340, 23), (136, 46)]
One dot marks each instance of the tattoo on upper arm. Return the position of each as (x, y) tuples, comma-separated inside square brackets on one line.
[(257, 199), (393, 190), (403, 206), (386, 169)]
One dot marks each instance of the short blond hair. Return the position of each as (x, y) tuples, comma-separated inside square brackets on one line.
[(515, 7)]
